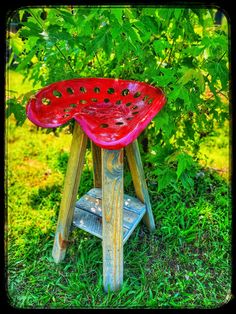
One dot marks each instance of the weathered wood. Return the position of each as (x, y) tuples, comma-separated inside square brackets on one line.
[(97, 165), (140, 186), (112, 212), (130, 202), (93, 205), (88, 213), (90, 222), (72, 179)]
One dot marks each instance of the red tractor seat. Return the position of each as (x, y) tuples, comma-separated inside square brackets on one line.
[(112, 112)]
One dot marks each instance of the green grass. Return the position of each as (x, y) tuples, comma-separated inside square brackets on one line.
[(185, 263), (215, 153)]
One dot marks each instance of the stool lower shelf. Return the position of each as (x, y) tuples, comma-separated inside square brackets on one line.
[(88, 213)]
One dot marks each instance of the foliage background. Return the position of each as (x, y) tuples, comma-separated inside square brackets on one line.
[(183, 51), (180, 50)]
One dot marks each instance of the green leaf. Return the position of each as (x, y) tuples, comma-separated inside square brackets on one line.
[(165, 79), (21, 13), (188, 61), (116, 30), (189, 131), (200, 80), (165, 14), (67, 16), (16, 43), (199, 14), (219, 71), (188, 75), (186, 181), (184, 163), (180, 92), (34, 28), (118, 13), (13, 107), (151, 24), (102, 41), (25, 62), (193, 74), (178, 13), (56, 34), (193, 50), (32, 42), (162, 119), (159, 45), (132, 34), (165, 177), (128, 13), (107, 44)]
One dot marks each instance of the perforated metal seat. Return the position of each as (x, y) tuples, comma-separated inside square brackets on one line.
[(112, 112)]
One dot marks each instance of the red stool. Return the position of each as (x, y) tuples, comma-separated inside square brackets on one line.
[(112, 113)]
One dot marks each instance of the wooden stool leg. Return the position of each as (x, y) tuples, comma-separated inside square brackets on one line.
[(137, 173), (112, 222), (97, 165), (72, 179)]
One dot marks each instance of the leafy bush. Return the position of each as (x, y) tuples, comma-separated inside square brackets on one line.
[(181, 50)]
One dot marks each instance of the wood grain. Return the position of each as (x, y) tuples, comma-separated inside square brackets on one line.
[(97, 165), (91, 223), (71, 184), (140, 186), (112, 212)]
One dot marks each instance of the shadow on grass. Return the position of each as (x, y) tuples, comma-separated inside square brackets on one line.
[(50, 196), (62, 161), (46, 197), (86, 181)]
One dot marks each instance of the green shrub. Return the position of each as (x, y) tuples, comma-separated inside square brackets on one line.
[(179, 49)]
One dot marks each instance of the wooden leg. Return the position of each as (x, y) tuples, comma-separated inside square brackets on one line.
[(72, 179), (97, 165), (136, 168), (112, 222)]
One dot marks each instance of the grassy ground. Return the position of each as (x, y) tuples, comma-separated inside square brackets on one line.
[(186, 263)]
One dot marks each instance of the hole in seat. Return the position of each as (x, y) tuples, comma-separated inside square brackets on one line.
[(83, 102), (106, 100), (145, 98), (83, 89), (104, 125), (125, 92), (66, 115), (137, 94), (111, 90), (94, 99), (118, 102), (70, 90), (73, 105), (135, 107), (46, 101), (128, 104), (67, 109), (119, 123), (97, 90), (150, 101), (135, 112), (57, 94), (130, 118)]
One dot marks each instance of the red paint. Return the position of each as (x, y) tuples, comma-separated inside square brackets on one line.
[(92, 102)]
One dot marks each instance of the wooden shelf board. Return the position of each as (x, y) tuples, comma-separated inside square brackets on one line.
[(88, 213)]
